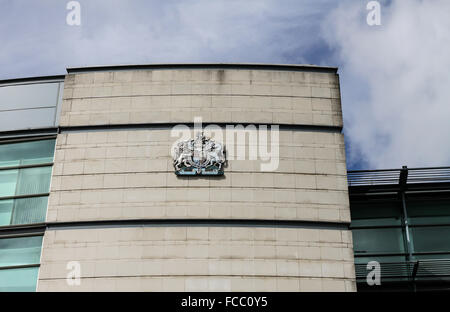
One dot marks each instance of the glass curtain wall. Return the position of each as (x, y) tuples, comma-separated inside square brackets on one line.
[(411, 244), (25, 173), (19, 263)]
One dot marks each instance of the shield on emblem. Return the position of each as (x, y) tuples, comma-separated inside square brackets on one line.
[(199, 156)]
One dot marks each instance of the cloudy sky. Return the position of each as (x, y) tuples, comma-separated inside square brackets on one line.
[(395, 78)]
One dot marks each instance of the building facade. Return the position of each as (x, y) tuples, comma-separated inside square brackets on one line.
[(29, 114), (90, 192), (400, 221)]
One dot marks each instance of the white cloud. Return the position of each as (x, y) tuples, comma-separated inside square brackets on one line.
[(37, 40), (394, 78), (395, 81)]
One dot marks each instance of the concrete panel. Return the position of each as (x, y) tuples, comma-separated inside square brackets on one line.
[(197, 259)]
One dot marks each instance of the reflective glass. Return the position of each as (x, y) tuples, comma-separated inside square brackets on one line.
[(380, 259), (8, 182), (431, 238), (29, 106), (15, 280), (6, 207), (33, 95), (25, 181), (428, 212), (20, 250), (376, 213), (388, 240), (23, 210), (34, 180), (28, 119), (26, 153)]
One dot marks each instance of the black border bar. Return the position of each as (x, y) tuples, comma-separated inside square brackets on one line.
[(199, 222), (286, 67)]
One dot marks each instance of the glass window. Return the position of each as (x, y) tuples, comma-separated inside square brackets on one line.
[(34, 95), (6, 207), (376, 213), (19, 251), (428, 212), (431, 238), (26, 181), (27, 119), (378, 234), (23, 210), (19, 186), (380, 259), (8, 181), (26, 153), (386, 240), (29, 106), (33, 180), (15, 280)]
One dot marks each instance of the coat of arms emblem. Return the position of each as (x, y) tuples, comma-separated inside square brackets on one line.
[(199, 156)]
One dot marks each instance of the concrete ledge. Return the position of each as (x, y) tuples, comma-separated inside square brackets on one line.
[(289, 67)]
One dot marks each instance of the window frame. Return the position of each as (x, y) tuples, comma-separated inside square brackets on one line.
[(28, 166), (35, 231)]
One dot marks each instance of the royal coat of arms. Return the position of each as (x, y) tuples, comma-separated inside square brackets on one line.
[(199, 156)]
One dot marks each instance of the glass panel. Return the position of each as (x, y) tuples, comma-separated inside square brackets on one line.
[(428, 212), (34, 180), (26, 153), (8, 181), (25, 181), (29, 210), (430, 239), (23, 210), (376, 213), (19, 279), (27, 119), (378, 240), (29, 95), (432, 257), (380, 259), (20, 250), (6, 207)]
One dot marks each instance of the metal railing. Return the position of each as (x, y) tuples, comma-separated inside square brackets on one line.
[(418, 269), (398, 176)]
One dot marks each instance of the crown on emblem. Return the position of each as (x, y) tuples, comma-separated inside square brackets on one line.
[(199, 156)]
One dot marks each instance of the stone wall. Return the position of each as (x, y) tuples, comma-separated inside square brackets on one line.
[(129, 174), (230, 96), (121, 170), (199, 259)]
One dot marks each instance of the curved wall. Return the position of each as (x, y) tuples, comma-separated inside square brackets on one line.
[(30, 103), (113, 165), (129, 174), (217, 95)]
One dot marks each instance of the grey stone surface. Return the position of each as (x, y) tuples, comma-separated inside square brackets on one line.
[(129, 174), (199, 259), (149, 96), (122, 174)]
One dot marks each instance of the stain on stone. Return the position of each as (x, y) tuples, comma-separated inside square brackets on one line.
[(221, 75)]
